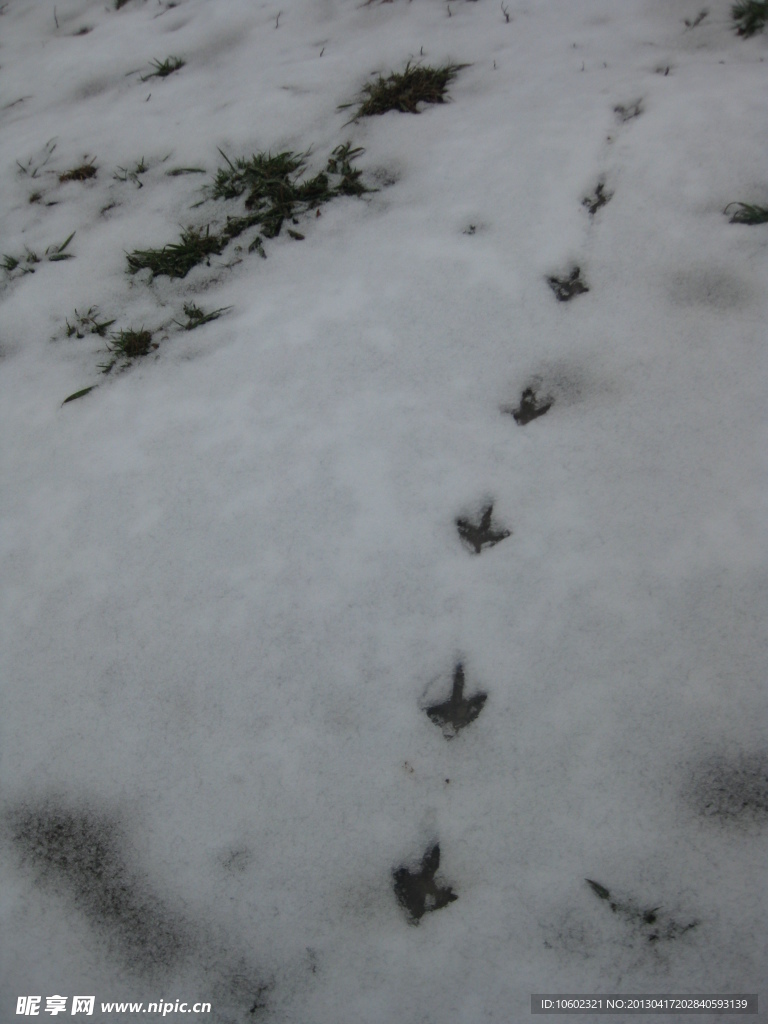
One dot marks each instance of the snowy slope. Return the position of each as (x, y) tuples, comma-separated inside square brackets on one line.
[(233, 578)]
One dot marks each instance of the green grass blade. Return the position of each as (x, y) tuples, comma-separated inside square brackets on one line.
[(79, 394)]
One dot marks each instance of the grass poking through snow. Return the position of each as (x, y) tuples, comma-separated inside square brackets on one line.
[(128, 345), (406, 90), (196, 316), (79, 394), (124, 174), (26, 263), (275, 192), (163, 68), (274, 188), (750, 16), (82, 173), (88, 323), (748, 214), (178, 258)]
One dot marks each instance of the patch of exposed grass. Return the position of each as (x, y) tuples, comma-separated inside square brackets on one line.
[(132, 174), (178, 258), (88, 323), (196, 316), (33, 168), (11, 263), (132, 343), (261, 175), (82, 173), (405, 90), (26, 263), (128, 345), (56, 252), (235, 226), (750, 16), (163, 68), (275, 191), (748, 214)]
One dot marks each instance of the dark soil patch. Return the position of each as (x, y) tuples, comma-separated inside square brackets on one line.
[(566, 287), (418, 892), (458, 711), (480, 535)]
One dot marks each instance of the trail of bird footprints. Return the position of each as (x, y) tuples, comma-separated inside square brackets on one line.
[(418, 892)]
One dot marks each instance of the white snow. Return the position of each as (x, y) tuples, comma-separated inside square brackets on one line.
[(232, 574)]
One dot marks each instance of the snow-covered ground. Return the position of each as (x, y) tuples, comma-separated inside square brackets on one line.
[(233, 577)]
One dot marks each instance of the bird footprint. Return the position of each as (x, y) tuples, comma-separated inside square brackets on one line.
[(566, 287), (480, 535), (458, 711), (417, 891)]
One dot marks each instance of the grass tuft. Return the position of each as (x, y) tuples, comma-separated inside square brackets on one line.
[(275, 191), (132, 344), (10, 263), (405, 90), (196, 316), (88, 323), (124, 174), (750, 16), (261, 175), (128, 345), (32, 169), (748, 214), (178, 258), (82, 173), (163, 68), (54, 254)]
